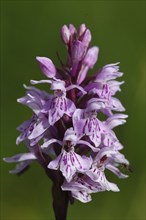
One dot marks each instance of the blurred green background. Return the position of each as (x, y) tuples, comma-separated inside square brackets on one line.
[(32, 28)]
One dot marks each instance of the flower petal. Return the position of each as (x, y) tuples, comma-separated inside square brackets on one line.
[(109, 72), (115, 120), (20, 167), (78, 51), (77, 87), (70, 107), (95, 149), (20, 157), (116, 105), (82, 196), (116, 171), (51, 141), (54, 164), (82, 163), (91, 57), (39, 129), (34, 82), (46, 66), (67, 165)]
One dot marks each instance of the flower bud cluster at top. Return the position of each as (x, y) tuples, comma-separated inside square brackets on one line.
[(65, 133)]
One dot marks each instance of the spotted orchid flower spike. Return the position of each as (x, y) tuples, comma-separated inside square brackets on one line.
[(66, 134)]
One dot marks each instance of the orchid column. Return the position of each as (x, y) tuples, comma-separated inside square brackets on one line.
[(65, 133)]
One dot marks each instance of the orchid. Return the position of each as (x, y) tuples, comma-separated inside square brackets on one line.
[(66, 134)]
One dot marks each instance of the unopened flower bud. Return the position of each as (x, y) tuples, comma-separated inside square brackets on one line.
[(65, 34), (46, 66), (91, 57), (86, 38), (72, 29), (78, 51), (81, 30)]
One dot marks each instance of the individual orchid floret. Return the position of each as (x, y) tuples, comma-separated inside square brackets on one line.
[(82, 187), (35, 127), (85, 122), (32, 130), (108, 72), (34, 99), (59, 104), (68, 161), (105, 93), (109, 138), (106, 158)]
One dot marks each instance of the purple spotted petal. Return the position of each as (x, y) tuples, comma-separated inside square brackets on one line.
[(70, 163), (58, 107)]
